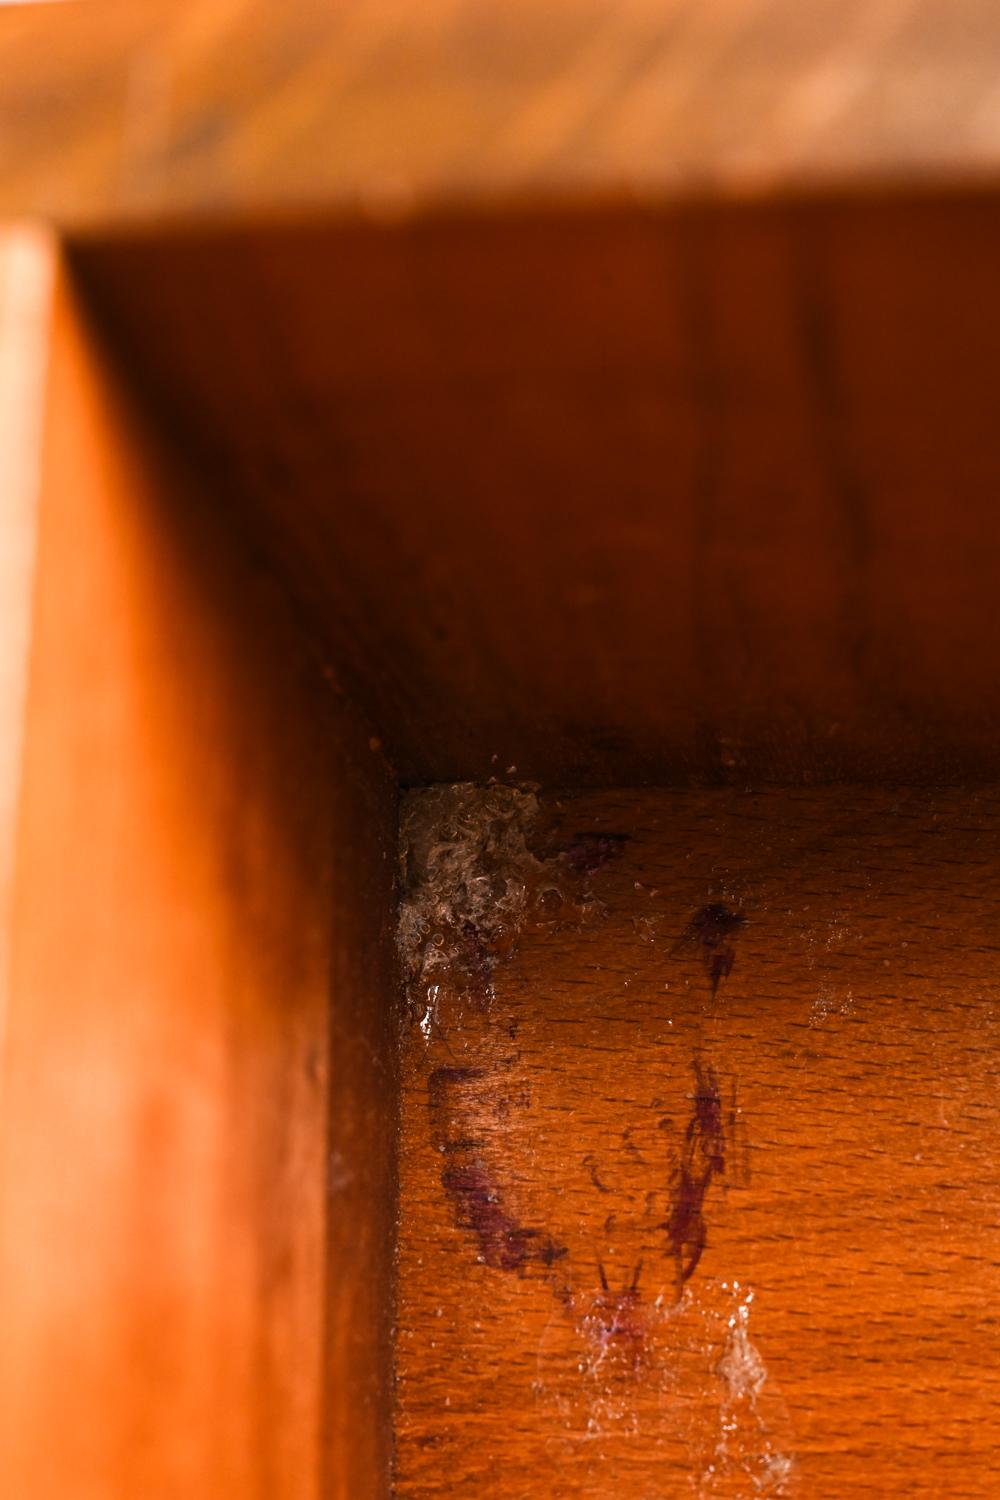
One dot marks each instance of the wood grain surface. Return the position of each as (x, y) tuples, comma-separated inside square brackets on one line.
[(178, 107), (661, 1242), (615, 497), (197, 1179)]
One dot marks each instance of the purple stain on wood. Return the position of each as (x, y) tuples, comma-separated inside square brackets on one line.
[(710, 930), (442, 1080), (705, 1129), (590, 852), (504, 1243), (444, 1077), (686, 1229), (616, 1321), (702, 1160)]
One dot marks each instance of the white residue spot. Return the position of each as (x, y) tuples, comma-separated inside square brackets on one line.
[(741, 1366), (430, 1013), (747, 1445)]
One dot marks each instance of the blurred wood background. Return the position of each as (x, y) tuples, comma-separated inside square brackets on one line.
[(197, 1159), (620, 496), (168, 108)]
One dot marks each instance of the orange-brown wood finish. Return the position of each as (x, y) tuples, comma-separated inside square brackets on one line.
[(595, 394), (660, 1241), (197, 1179), (201, 107), (615, 497)]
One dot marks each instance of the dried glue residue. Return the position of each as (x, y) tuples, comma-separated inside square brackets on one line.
[(606, 1369), (748, 1447), (681, 1378), (471, 884), (741, 1367)]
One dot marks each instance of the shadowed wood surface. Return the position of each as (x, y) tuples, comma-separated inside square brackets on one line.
[(660, 1242), (613, 497), (111, 111), (197, 1179)]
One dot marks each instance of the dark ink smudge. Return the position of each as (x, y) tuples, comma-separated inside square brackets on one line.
[(702, 1160), (503, 1242), (590, 852), (709, 930)]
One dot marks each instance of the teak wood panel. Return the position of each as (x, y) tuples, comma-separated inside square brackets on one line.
[(657, 1241), (614, 497), (199, 106), (197, 1184)]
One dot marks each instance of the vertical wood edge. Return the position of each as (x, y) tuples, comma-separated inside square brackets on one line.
[(28, 260)]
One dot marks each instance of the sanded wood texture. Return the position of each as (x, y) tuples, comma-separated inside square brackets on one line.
[(201, 106), (613, 497), (660, 1242), (196, 1176)]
